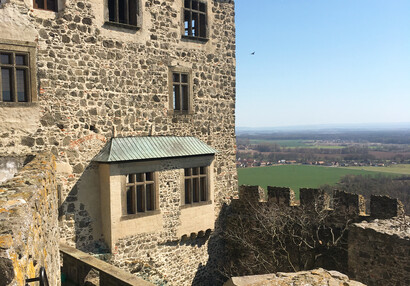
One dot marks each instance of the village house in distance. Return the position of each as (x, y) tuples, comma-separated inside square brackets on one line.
[(135, 100)]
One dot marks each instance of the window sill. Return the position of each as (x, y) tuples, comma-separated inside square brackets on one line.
[(18, 104), (121, 25), (180, 112), (139, 215), (196, 204), (195, 39)]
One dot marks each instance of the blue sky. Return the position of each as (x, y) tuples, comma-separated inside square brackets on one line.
[(322, 62)]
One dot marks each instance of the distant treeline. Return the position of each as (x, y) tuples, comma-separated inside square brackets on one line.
[(384, 137), (367, 185)]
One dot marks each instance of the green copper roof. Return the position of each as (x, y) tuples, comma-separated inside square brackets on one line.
[(152, 147)]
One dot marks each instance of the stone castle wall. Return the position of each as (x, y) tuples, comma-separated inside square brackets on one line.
[(92, 78), (29, 234), (376, 249), (379, 252)]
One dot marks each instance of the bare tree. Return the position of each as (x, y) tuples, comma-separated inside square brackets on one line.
[(269, 237)]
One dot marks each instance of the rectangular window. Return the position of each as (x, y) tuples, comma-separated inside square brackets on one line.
[(140, 190), (50, 5), (195, 18), (15, 76), (123, 12), (196, 185), (180, 91)]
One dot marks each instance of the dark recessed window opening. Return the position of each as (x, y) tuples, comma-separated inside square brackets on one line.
[(140, 192), (123, 12), (196, 185), (50, 5), (180, 91), (14, 80), (195, 19)]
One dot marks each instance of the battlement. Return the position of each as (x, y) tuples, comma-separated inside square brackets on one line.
[(341, 202)]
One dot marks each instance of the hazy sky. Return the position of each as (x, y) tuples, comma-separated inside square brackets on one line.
[(322, 62)]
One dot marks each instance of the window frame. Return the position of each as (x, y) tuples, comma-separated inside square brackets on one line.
[(35, 6), (191, 178), (138, 15), (24, 48), (184, 71), (133, 185), (192, 11)]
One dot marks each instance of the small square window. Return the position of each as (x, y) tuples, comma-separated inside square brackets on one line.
[(123, 12), (180, 95), (17, 73), (50, 5), (196, 185), (195, 19), (140, 193)]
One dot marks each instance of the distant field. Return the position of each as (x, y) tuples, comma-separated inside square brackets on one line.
[(297, 176), (403, 169), (294, 143)]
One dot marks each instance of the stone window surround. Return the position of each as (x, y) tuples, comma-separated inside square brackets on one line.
[(188, 71), (108, 23), (30, 49), (43, 13), (156, 210), (195, 38)]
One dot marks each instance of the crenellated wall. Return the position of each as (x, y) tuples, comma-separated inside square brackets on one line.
[(29, 234)]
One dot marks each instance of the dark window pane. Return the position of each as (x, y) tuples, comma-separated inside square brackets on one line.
[(202, 170), (195, 171), (130, 201), (195, 25), (187, 3), (150, 197), (149, 177), (203, 189), (202, 7), (187, 191), (131, 178), (39, 4), (140, 199), (175, 77), (195, 5), (6, 84), (202, 27), (132, 12), (111, 10), (21, 85), (187, 172), (186, 22), (184, 78), (177, 97), (52, 5), (5, 59), (21, 60), (185, 97), (140, 177), (196, 190), (121, 11)]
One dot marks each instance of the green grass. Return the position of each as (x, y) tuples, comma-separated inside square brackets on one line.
[(403, 169), (295, 176)]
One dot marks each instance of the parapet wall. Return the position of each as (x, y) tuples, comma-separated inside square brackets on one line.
[(29, 235), (379, 252), (342, 204)]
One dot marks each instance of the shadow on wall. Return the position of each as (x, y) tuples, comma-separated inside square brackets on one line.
[(80, 213), (213, 272)]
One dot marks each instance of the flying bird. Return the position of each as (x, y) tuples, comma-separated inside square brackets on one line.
[(253, 53)]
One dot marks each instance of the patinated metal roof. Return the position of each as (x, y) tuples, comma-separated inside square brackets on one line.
[(152, 147)]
